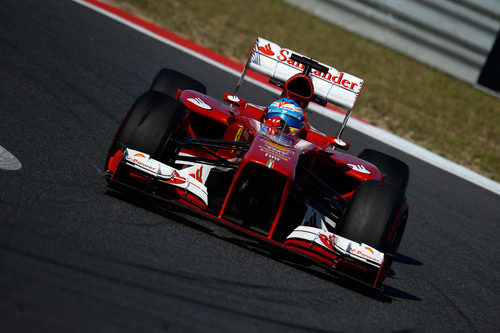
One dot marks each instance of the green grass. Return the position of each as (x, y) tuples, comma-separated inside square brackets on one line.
[(401, 95)]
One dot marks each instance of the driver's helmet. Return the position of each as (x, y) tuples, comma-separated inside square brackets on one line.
[(290, 112)]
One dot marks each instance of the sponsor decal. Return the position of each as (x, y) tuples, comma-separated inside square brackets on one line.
[(276, 154), (327, 240), (176, 179), (275, 150), (286, 107), (284, 56), (139, 155), (266, 49), (363, 254), (237, 136), (199, 102), (140, 163), (198, 174), (273, 157), (277, 146), (359, 168), (369, 250)]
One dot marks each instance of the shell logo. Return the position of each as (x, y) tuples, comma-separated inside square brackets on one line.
[(369, 250), (139, 155)]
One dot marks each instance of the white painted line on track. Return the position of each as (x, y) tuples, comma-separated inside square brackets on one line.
[(365, 128), (8, 161)]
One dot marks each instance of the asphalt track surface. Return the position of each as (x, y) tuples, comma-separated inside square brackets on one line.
[(76, 256)]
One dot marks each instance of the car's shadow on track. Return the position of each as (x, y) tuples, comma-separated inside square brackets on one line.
[(275, 253), (154, 206), (402, 259), (241, 239)]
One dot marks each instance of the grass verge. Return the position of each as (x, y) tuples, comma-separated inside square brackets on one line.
[(401, 95)]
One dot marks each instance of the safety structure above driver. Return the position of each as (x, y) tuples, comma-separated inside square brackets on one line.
[(285, 115)]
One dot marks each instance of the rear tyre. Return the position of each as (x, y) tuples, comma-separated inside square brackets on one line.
[(376, 216), (168, 81), (148, 125), (397, 172)]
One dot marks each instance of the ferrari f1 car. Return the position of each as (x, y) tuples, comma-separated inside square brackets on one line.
[(263, 169)]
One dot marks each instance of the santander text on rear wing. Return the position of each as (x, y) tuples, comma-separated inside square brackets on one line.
[(339, 88)]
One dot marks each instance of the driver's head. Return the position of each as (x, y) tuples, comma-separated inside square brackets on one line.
[(289, 111)]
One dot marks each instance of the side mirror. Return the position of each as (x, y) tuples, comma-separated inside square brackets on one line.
[(339, 143), (235, 100)]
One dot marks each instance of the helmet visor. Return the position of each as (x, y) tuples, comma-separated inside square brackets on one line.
[(290, 120)]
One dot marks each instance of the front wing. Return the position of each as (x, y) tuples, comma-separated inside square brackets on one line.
[(186, 187), (359, 261)]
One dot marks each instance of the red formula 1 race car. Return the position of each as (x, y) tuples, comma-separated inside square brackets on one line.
[(263, 169)]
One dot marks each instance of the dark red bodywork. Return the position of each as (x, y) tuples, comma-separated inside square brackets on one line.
[(231, 121)]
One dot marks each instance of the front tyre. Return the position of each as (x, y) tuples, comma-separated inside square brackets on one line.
[(376, 216), (148, 125), (168, 81), (396, 172)]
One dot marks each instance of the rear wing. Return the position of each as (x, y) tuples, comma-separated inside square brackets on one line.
[(271, 60)]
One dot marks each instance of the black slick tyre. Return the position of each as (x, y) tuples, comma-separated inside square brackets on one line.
[(396, 172), (148, 126), (376, 216), (168, 81)]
